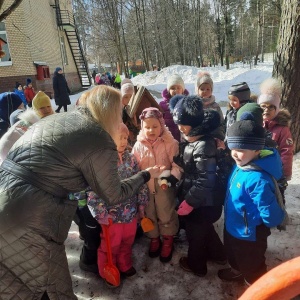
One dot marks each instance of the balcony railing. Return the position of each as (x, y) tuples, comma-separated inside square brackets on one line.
[(64, 18)]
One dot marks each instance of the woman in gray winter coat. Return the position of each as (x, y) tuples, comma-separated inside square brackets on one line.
[(57, 155)]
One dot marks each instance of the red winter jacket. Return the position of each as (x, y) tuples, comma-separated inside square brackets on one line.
[(279, 127), (29, 94)]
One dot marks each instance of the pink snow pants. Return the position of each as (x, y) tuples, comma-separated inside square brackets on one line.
[(121, 238)]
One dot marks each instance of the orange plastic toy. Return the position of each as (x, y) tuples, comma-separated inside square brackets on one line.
[(147, 224), (280, 283), (111, 272)]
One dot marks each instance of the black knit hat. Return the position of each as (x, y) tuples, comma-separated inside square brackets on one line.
[(241, 91), (246, 134), (187, 110)]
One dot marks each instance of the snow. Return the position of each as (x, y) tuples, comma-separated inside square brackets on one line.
[(158, 281)]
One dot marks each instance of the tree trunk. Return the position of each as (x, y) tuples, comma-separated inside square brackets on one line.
[(287, 63)]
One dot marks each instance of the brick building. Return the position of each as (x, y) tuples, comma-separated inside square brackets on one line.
[(35, 39)]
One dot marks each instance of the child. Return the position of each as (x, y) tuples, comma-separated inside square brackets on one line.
[(19, 91), (122, 231), (251, 206), (204, 88), (200, 205), (155, 145), (277, 121), (127, 90), (238, 95), (29, 92), (175, 86)]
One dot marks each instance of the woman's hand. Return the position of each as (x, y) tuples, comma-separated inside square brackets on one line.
[(155, 171)]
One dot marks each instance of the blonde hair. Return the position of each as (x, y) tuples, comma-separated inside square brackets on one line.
[(104, 104)]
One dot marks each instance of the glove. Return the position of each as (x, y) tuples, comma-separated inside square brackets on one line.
[(171, 179), (184, 209)]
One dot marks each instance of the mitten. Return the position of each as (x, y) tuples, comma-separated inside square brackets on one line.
[(184, 209), (170, 179)]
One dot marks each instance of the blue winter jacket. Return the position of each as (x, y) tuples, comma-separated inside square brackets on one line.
[(251, 200)]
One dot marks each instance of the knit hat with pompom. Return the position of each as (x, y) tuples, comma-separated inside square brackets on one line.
[(203, 77), (270, 93)]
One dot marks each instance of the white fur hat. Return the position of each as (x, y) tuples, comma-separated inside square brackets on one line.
[(175, 80), (270, 93)]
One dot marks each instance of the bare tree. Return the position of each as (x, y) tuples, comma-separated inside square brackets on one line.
[(287, 63)]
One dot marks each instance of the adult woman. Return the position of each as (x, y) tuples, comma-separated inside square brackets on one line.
[(57, 155), (61, 90)]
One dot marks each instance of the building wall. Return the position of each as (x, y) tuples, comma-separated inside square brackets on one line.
[(33, 36)]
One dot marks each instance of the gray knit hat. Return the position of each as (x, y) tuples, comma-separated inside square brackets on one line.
[(241, 91)]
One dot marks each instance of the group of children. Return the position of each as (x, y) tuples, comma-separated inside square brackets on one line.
[(186, 137), (27, 93)]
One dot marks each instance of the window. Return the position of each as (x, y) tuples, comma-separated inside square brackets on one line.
[(5, 60), (63, 51)]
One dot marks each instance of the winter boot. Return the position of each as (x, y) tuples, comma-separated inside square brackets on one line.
[(155, 246), (167, 248)]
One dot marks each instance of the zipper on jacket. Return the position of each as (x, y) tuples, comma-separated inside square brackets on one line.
[(245, 221), (227, 192)]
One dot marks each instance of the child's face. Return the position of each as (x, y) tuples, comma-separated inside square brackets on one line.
[(122, 142), (45, 111), (126, 98), (204, 90), (20, 88), (185, 129), (176, 89), (244, 156), (269, 111), (234, 101), (30, 85), (151, 128)]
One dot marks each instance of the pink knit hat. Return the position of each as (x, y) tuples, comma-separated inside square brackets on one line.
[(127, 88), (153, 112)]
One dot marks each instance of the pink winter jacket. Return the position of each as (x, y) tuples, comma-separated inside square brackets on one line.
[(161, 152), (279, 127)]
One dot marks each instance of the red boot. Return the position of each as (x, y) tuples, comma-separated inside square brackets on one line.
[(167, 248), (155, 246)]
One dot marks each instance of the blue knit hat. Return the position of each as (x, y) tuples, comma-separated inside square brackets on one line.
[(246, 134), (187, 110), (28, 81)]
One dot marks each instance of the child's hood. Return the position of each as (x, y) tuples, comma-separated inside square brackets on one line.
[(283, 118), (270, 162), (166, 136), (29, 115), (165, 94)]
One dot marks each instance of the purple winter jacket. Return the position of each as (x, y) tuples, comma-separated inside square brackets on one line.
[(164, 104)]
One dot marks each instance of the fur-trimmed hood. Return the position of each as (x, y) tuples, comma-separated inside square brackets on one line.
[(283, 118), (29, 115)]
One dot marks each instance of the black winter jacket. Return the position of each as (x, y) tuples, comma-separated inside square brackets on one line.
[(198, 159), (66, 153)]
